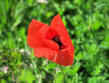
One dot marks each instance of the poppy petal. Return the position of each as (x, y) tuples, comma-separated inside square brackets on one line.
[(49, 36), (46, 53), (58, 25), (51, 44), (36, 34), (64, 58), (51, 33)]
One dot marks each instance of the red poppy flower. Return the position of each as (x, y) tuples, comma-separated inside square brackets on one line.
[(51, 42)]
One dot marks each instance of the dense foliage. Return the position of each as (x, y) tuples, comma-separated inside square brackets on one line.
[(87, 22)]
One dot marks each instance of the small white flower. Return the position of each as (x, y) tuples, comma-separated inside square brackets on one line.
[(5, 69), (21, 50), (19, 39), (28, 52), (42, 1)]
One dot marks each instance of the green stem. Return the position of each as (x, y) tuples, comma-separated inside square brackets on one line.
[(33, 64), (54, 76), (64, 78)]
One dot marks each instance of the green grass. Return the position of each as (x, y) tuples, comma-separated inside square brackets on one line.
[(87, 22)]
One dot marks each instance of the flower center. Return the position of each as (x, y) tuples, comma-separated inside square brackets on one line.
[(58, 41)]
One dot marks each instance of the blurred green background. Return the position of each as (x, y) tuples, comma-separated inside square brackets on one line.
[(87, 22)]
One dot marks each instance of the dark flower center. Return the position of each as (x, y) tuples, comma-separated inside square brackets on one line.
[(58, 41)]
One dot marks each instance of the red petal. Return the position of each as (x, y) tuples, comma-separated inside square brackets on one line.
[(53, 45), (65, 58), (58, 25), (36, 34), (49, 36), (51, 33), (45, 52)]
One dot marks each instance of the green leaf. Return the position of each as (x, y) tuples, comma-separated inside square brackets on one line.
[(96, 25), (26, 76), (3, 81), (59, 77)]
